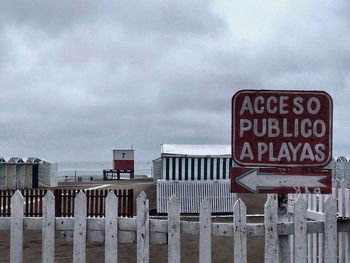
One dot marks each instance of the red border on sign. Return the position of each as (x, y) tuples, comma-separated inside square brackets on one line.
[(261, 164)]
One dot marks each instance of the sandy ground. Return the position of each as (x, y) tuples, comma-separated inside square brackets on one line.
[(222, 247)]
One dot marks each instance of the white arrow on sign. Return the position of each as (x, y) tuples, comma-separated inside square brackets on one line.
[(254, 180)]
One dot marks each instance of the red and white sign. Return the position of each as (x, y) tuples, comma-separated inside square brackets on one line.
[(280, 180), (281, 128), (123, 160)]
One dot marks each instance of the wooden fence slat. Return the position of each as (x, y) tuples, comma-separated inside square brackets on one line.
[(240, 234), (31, 205), (320, 236), (330, 230), (300, 231), (174, 209), (48, 228), (95, 202), (111, 228), (70, 200), (79, 239), (142, 225), (27, 202), (124, 202), (342, 213), (271, 236), (130, 202), (16, 236), (3, 196), (347, 257), (205, 232), (100, 212), (57, 195), (120, 202)]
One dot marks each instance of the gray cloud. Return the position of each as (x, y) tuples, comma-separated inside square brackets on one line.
[(80, 78)]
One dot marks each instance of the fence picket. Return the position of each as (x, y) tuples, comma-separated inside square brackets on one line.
[(205, 232), (314, 236), (330, 230), (142, 223), (300, 231), (174, 230), (271, 235), (239, 229), (240, 234), (48, 228), (320, 236), (16, 236), (79, 239), (191, 194), (111, 228)]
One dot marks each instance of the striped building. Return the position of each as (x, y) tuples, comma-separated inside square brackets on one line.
[(180, 162), (194, 172)]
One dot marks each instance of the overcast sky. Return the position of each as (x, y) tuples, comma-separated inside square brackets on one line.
[(79, 78)]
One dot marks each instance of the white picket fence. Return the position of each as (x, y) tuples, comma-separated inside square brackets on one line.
[(316, 211), (144, 231), (191, 194)]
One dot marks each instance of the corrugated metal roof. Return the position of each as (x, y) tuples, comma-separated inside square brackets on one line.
[(196, 149), (15, 160)]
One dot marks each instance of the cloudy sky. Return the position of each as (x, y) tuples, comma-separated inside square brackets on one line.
[(79, 78)]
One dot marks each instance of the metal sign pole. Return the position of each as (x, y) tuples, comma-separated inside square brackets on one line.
[(283, 241)]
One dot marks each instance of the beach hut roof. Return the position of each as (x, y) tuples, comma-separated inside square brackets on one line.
[(28, 160), (196, 149), (15, 160), (33, 160)]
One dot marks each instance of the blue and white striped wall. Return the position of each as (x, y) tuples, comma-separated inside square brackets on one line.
[(173, 168)]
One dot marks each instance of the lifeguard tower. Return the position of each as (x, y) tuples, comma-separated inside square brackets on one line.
[(123, 162)]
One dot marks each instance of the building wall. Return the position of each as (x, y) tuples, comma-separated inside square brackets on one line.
[(157, 169), (20, 175), (178, 168), (3, 176), (11, 176), (47, 174)]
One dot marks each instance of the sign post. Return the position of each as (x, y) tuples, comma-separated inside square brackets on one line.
[(289, 132), (281, 140)]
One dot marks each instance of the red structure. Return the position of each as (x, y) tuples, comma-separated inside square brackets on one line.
[(123, 162)]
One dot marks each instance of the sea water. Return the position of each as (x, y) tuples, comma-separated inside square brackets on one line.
[(68, 171)]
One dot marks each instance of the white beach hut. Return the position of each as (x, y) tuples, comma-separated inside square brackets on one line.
[(192, 173)]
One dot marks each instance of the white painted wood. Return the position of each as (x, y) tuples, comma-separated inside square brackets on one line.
[(314, 236), (343, 208), (253, 180), (283, 240), (111, 228), (176, 169), (330, 229), (191, 194), (79, 239), (48, 228), (271, 236), (161, 226), (320, 236), (142, 223), (158, 229), (174, 209), (240, 234), (16, 235), (300, 231), (347, 253), (205, 232)]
